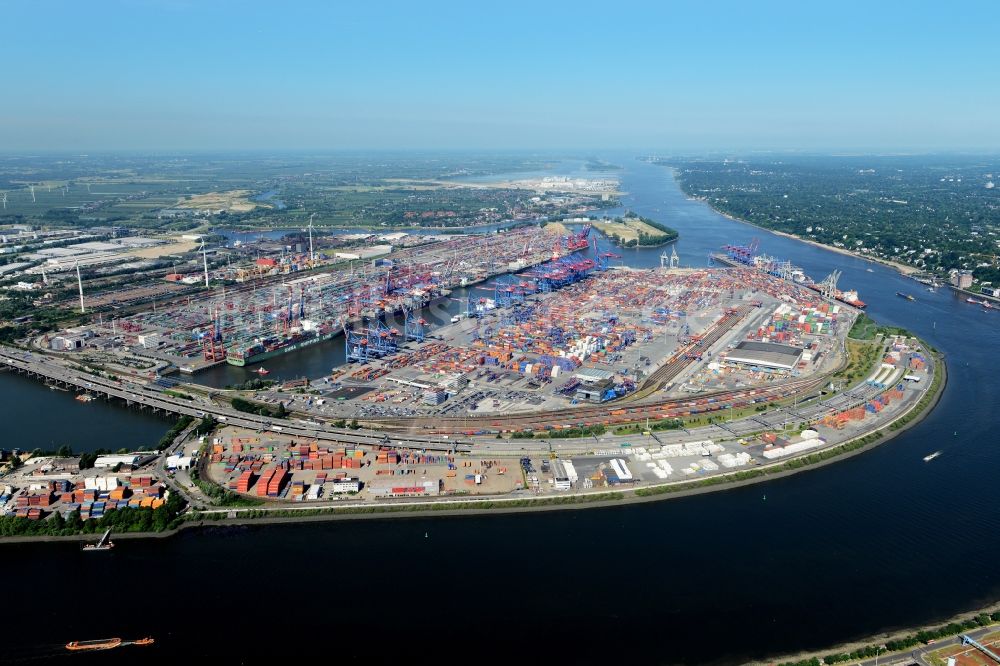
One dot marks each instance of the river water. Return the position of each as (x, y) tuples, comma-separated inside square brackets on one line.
[(875, 542)]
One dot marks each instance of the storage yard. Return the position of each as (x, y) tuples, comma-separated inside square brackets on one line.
[(270, 466), (47, 485)]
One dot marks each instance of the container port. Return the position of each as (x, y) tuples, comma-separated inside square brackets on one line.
[(559, 373), (675, 374)]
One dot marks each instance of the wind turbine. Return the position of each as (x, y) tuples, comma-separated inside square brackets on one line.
[(5, 201), (32, 193), (312, 255), (204, 256), (79, 282)]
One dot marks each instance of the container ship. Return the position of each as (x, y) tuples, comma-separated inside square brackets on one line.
[(746, 255), (850, 297), (261, 349)]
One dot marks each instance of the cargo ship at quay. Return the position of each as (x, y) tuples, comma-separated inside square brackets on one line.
[(250, 325), (746, 255), (262, 349)]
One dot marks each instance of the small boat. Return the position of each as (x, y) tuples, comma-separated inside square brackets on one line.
[(908, 297), (262, 371), (868, 270), (104, 544), (932, 456), (974, 301)]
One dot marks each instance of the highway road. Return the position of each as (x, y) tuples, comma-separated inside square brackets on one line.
[(56, 371)]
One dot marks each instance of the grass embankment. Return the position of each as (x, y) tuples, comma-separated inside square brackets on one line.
[(634, 231), (924, 637), (564, 433), (251, 407), (653, 426)]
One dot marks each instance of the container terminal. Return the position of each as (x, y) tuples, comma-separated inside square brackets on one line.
[(282, 305), (675, 373)]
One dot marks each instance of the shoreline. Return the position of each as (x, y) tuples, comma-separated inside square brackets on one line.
[(579, 501), (883, 637)]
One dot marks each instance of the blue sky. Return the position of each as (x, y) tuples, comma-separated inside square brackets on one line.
[(682, 76)]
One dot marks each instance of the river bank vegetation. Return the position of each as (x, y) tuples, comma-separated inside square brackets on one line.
[(933, 213)]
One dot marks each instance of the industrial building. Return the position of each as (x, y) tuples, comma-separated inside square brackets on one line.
[(179, 462), (410, 489), (962, 279), (346, 485), (765, 355), (121, 459), (563, 474), (70, 340), (364, 252)]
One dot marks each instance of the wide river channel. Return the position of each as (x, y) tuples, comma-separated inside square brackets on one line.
[(879, 541)]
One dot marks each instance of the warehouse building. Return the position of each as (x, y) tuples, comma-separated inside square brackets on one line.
[(104, 462), (364, 252), (765, 355)]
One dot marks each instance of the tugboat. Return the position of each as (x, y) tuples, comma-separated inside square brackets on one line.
[(104, 544), (908, 297), (262, 371)]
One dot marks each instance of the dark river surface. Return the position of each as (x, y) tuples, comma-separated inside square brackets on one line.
[(879, 541)]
